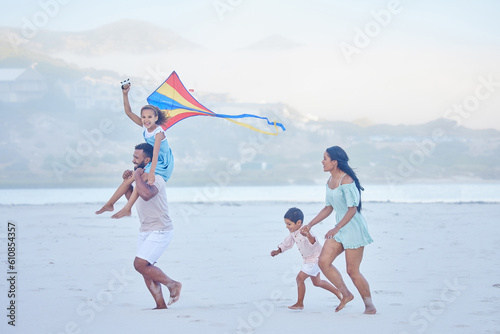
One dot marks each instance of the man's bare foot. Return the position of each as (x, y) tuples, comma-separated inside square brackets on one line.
[(155, 289), (345, 299), (296, 306), (369, 307), (122, 213), (106, 207), (175, 292)]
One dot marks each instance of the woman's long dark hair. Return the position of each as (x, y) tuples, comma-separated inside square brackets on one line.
[(338, 154)]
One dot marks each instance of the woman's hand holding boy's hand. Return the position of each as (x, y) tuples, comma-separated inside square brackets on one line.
[(305, 230)]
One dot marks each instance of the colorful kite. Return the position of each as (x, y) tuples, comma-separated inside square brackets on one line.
[(174, 97)]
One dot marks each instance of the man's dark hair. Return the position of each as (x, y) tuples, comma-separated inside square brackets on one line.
[(294, 215), (146, 148)]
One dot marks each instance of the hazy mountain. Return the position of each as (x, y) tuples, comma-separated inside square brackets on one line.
[(78, 136), (124, 36), (67, 148)]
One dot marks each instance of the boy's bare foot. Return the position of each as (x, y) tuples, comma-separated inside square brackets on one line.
[(106, 207), (296, 306), (369, 307), (122, 213), (345, 299), (175, 292)]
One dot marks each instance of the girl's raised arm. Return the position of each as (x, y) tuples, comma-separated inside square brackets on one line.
[(128, 110)]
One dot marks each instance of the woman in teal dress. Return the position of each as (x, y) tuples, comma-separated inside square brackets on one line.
[(350, 234)]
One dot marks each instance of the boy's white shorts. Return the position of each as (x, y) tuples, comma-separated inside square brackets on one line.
[(312, 269)]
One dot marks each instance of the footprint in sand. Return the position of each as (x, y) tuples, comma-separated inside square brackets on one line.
[(386, 292)]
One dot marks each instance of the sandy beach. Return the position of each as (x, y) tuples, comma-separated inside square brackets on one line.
[(433, 268)]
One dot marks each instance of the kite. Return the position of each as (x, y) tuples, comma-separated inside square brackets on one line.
[(173, 97)]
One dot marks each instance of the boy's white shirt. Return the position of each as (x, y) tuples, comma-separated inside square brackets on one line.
[(310, 252)]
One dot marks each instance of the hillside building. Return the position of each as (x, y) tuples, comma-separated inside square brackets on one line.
[(19, 85)]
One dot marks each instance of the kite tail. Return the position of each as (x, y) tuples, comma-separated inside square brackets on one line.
[(274, 123)]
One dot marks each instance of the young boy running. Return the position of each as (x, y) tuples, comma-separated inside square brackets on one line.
[(310, 249)]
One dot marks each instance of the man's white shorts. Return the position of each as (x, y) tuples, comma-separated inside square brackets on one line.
[(152, 244), (312, 269)]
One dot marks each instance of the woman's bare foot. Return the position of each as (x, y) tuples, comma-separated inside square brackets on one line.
[(337, 293), (106, 207), (369, 307), (296, 306), (122, 213), (345, 299), (175, 292)]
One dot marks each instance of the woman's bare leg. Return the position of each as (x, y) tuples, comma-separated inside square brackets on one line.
[(353, 261), (332, 249)]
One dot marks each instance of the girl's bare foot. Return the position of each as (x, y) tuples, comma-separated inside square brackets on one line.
[(175, 292), (106, 207), (296, 306), (122, 213), (160, 307), (345, 299)]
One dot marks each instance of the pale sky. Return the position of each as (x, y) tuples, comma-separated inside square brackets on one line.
[(396, 62), (453, 22)]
